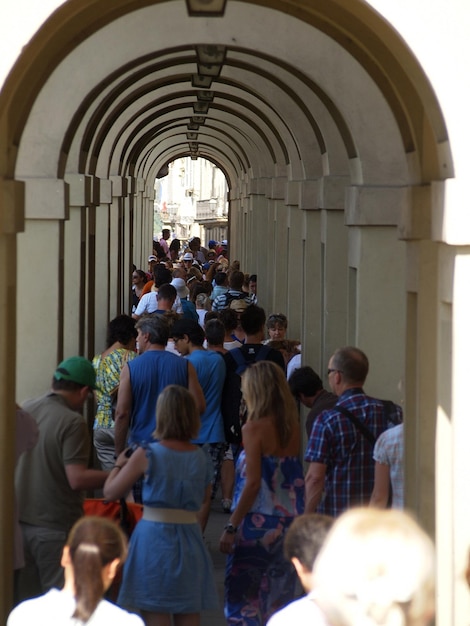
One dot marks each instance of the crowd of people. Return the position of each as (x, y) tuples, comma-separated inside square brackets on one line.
[(197, 391)]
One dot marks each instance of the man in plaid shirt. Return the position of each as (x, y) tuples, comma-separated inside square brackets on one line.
[(341, 470)]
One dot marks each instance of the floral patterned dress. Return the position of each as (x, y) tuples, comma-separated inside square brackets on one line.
[(258, 580), (108, 372)]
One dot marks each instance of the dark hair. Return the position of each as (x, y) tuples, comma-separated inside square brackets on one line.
[(252, 319), (156, 326), (65, 385), (220, 278), (195, 288), (305, 537), (211, 315), (191, 328), (161, 275), (229, 319), (166, 292), (157, 248), (175, 245), (215, 332), (253, 278), (122, 329), (165, 230), (352, 363), (141, 273), (236, 279), (93, 543), (304, 380)]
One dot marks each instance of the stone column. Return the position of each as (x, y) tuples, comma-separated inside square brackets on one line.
[(377, 304), (260, 257), (116, 238), (79, 266), (11, 222), (127, 241), (294, 287), (103, 267), (40, 297), (276, 193), (311, 267)]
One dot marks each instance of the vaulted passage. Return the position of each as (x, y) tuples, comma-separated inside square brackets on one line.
[(336, 153)]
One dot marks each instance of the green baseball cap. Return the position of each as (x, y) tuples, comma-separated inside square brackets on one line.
[(78, 370)]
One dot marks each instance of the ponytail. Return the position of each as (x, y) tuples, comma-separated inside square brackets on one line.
[(94, 542)]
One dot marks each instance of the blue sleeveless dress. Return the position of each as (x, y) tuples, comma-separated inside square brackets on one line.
[(168, 569), (258, 580)]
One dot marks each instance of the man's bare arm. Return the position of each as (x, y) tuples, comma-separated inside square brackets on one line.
[(314, 485), (123, 411)]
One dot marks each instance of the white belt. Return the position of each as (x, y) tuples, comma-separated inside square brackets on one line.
[(169, 516)]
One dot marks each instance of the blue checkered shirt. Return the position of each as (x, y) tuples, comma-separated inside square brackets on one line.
[(348, 455)]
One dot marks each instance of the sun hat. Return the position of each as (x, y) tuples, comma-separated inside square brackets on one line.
[(180, 285)]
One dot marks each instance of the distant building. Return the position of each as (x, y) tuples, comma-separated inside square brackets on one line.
[(192, 200)]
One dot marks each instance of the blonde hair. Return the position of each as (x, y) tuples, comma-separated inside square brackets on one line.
[(177, 415), (376, 567), (266, 392)]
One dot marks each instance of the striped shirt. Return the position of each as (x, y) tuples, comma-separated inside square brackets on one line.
[(348, 455)]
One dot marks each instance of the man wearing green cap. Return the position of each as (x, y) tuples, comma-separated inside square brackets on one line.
[(50, 478)]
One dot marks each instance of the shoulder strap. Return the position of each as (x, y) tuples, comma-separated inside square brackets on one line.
[(357, 423), (262, 353)]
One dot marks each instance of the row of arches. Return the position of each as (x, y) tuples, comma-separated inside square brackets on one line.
[(336, 152)]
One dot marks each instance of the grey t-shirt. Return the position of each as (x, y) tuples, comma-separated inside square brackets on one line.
[(43, 492)]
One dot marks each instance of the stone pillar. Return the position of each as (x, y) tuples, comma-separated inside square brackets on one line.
[(334, 242), (237, 213), (40, 285), (260, 259), (311, 267), (377, 301), (127, 241), (103, 267), (116, 239), (11, 222), (294, 286), (142, 239), (276, 194), (453, 434), (79, 241)]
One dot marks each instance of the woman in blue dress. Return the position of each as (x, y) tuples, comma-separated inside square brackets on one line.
[(269, 493), (168, 571)]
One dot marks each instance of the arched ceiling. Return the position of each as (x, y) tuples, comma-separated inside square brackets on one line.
[(270, 89)]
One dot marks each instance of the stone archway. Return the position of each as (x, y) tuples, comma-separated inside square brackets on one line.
[(332, 139)]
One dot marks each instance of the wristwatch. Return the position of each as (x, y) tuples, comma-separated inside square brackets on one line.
[(230, 528)]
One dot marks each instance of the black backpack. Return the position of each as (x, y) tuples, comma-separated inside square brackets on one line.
[(233, 420)]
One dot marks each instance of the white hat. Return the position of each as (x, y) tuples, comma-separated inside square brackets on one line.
[(180, 286), (188, 256)]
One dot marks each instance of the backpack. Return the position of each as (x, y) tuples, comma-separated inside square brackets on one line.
[(233, 420), (242, 364)]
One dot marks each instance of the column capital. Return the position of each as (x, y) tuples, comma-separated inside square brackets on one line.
[(375, 206), (81, 189), (46, 199), (120, 186)]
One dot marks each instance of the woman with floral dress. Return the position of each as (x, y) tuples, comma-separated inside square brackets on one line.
[(269, 493)]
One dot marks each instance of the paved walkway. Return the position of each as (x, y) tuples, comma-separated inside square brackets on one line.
[(217, 521)]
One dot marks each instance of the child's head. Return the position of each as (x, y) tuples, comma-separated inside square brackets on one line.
[(303, 542)]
